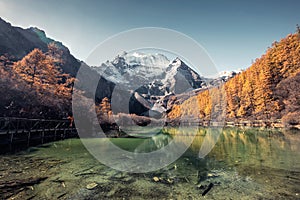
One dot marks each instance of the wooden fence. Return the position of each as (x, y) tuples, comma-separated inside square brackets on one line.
[(16, 133)]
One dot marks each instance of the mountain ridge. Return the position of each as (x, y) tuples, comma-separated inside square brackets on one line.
[(153, 80), (18, 42), (265, 91), (23, 49)]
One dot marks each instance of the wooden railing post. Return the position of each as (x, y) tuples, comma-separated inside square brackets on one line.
[(64, 133), (55, 132), (11, 135), (43, 134), (28, 138), (24, 131)]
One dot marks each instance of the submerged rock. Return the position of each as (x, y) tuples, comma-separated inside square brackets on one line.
[(155, 179), (200, 186), (210, 175), (170, 181), (91, 186)]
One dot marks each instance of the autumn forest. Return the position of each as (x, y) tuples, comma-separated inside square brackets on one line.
[(38, 85), (267, 90)]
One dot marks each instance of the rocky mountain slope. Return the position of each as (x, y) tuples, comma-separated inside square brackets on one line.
[(153, 79), (18, 42)]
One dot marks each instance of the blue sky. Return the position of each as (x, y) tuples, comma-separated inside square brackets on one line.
[(234, 33)]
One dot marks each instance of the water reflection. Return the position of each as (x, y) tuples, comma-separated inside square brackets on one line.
[(252, 147), (247, 159), (153, 144), (245, 147), (244, 164)]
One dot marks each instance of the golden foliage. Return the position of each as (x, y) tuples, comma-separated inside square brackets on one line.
[(36, 85), (252, 93)]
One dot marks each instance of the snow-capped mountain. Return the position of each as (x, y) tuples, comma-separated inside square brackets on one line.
[(152, 79), (151, 74), (134, 69), (226, 75), (181, 78), (222, 77)]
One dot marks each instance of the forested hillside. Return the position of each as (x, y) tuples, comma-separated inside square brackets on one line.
[(266, 90), (37, 75), (35, 86)]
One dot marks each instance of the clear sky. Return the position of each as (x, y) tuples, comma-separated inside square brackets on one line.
[(233, 32)]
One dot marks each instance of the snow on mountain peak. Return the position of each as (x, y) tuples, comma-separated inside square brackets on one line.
[(177, 62), (134, 67), (149, 60), (229, 74)]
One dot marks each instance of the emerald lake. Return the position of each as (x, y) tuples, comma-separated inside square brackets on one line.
[(244, 164)]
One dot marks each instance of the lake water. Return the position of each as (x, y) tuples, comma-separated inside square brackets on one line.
[(244, 164)]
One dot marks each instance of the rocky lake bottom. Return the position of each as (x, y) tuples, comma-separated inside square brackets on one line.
[(244, 164)]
